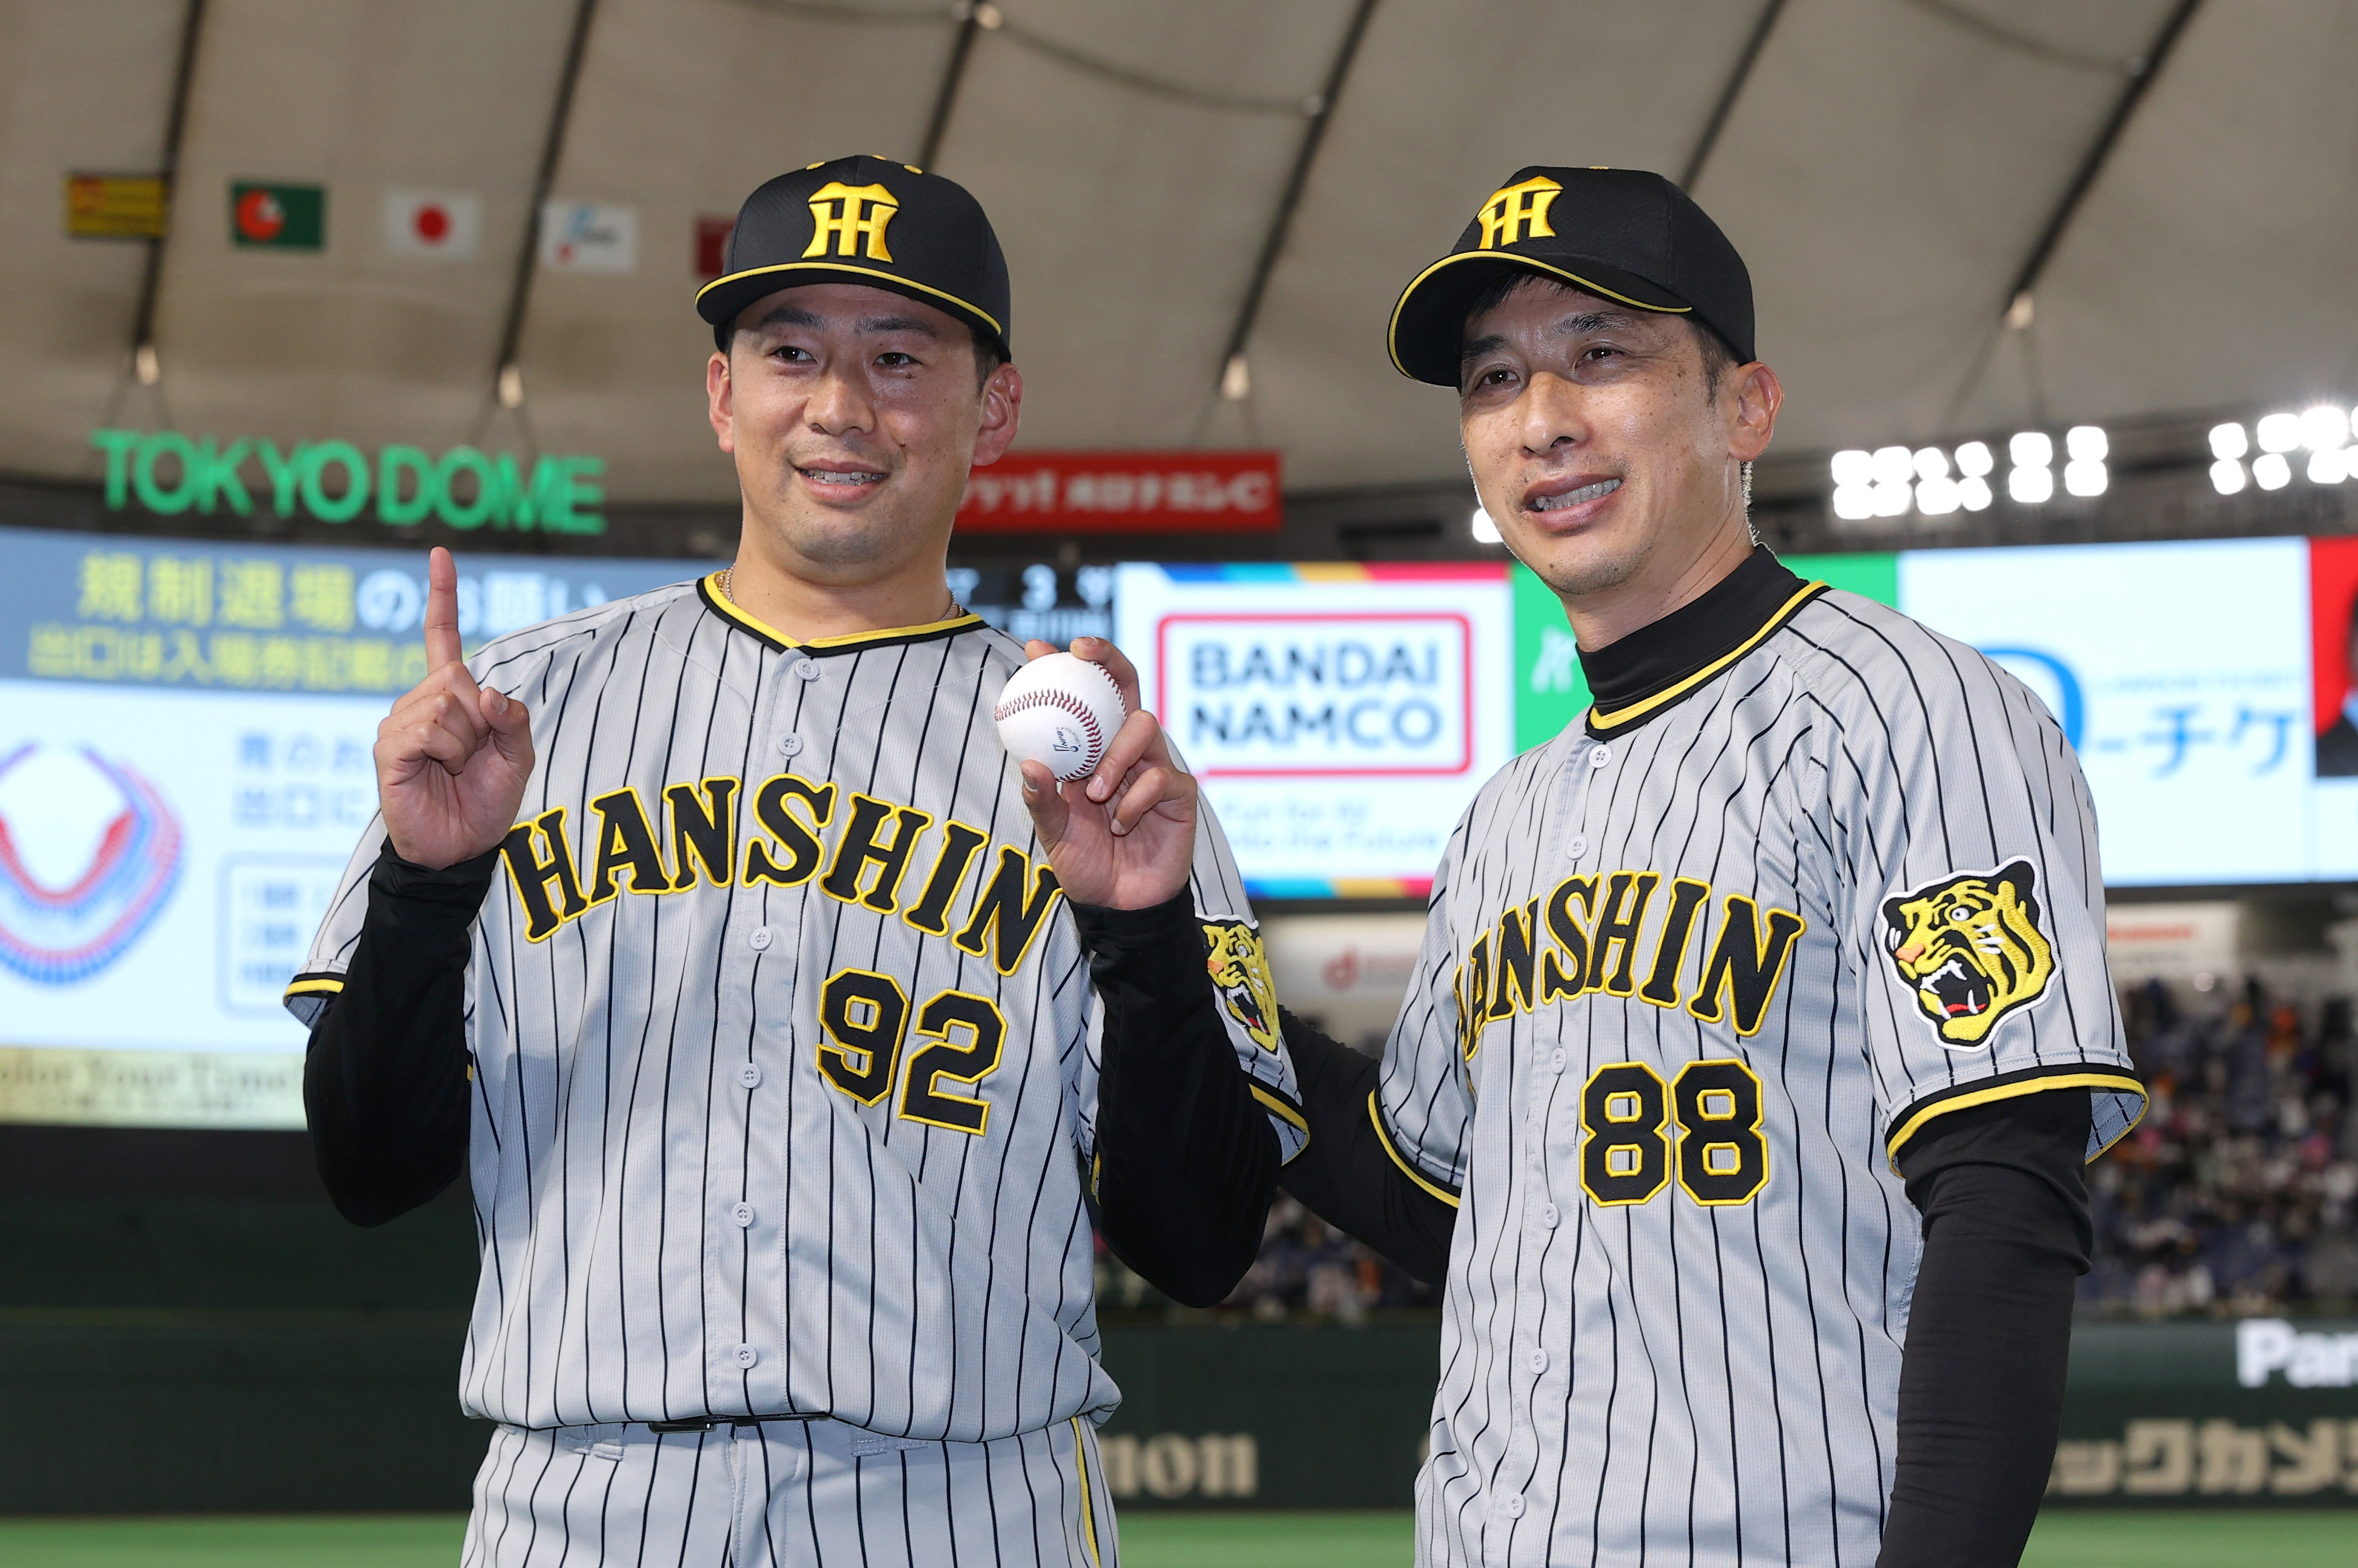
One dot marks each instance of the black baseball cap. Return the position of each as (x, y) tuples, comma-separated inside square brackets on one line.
[(864, 220), (1621, 233)]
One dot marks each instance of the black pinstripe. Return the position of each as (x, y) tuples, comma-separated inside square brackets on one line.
[(615, 1134), (1720, 1386)]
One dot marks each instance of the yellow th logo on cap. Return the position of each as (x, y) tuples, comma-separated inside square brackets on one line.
[(1518, 212), (850, 212)]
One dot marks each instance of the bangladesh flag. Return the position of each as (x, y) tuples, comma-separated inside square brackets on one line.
[(285, 217)]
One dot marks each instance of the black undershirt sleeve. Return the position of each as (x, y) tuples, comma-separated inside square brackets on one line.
[(385, 1082), (2007, 1235), (1347, 1177), (1185, 1157), (1187, 1162)]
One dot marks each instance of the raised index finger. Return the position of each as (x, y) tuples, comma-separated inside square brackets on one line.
[(441, 610)]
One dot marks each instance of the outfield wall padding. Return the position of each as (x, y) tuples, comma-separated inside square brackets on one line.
[(159, 1409)]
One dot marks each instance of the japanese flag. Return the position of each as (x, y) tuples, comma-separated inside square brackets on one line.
[(443, 224)]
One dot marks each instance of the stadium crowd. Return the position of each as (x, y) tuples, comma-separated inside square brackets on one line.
[(1307, 1270), (2235, 1195)]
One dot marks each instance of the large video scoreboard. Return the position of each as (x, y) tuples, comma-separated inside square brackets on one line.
[(185, 734)]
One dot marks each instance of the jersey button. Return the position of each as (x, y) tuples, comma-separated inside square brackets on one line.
[(1550, 1217), (807, 669), (1577, 848), (1556, 1062), (742, 1213), (1539, 1364), (749, 1075), (1600, 757), (790, 745), (745, 1355), (1512, 1508), (761, 937)]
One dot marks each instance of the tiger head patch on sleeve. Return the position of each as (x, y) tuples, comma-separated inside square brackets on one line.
[(1970, 946), (1240, 973)]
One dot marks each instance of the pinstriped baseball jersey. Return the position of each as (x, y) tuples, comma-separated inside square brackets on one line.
[(1693, 973), (784, 1060), (769, 1494)]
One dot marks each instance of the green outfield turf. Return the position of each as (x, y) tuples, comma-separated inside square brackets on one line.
[(235, 1541), (2156, 1538), (1266, 1540), (2166, 1537)]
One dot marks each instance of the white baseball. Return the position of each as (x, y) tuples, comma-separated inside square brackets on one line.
[(1062, 711)]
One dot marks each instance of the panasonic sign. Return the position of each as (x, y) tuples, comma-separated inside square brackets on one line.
[(2268, 1345)]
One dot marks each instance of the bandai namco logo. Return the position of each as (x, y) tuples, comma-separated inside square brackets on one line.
[(1519, 213), (850, 212)]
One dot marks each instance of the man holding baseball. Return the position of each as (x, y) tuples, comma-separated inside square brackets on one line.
[(1799, 930), (705, 930)]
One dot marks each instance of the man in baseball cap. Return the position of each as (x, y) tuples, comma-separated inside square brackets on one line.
[(872, 222), (705, 930), (1625, 264), (899, 272), (1620, 235), (1796, 930)]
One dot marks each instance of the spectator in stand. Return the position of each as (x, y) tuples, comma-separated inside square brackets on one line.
[(2236, 1195), (1306, 1269)]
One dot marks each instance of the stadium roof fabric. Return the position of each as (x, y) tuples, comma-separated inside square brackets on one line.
[(1164, 175)]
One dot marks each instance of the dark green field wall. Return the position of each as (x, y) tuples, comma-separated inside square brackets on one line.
[(244, 1349)]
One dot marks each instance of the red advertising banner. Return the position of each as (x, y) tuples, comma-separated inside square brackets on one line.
[(2332, 618), (1124, 492)]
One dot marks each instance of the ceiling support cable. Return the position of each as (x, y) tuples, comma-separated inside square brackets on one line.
[(990, 18), (1736, 79), (2018, 304), (2022, 43), (508, 377), (176, 125), (1120, 75), (1236, 384), (2017, 309), (946, 96)]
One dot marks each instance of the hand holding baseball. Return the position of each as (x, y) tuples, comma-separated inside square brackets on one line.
[(1124, 834), (452, 758)]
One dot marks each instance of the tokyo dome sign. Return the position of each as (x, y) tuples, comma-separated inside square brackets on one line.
[(167, 472)]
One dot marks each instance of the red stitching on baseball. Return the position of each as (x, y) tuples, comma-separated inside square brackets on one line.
[(1062, 699)]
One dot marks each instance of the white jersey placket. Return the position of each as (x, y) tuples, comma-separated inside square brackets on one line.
[(1544, 1081), (748, 1304)]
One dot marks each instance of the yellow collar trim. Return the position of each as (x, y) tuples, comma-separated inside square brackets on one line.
[(1599, 719), (895, 279), (721, 605), (1392, 333)]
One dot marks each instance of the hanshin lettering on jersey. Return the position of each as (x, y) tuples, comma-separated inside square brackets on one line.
[(785, 1061), (1694, 971)]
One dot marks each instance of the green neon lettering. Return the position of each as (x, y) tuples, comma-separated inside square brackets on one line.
[(392, 463), (118, 446)]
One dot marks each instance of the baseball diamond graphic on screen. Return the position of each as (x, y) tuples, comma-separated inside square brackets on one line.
[(88, 854)]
